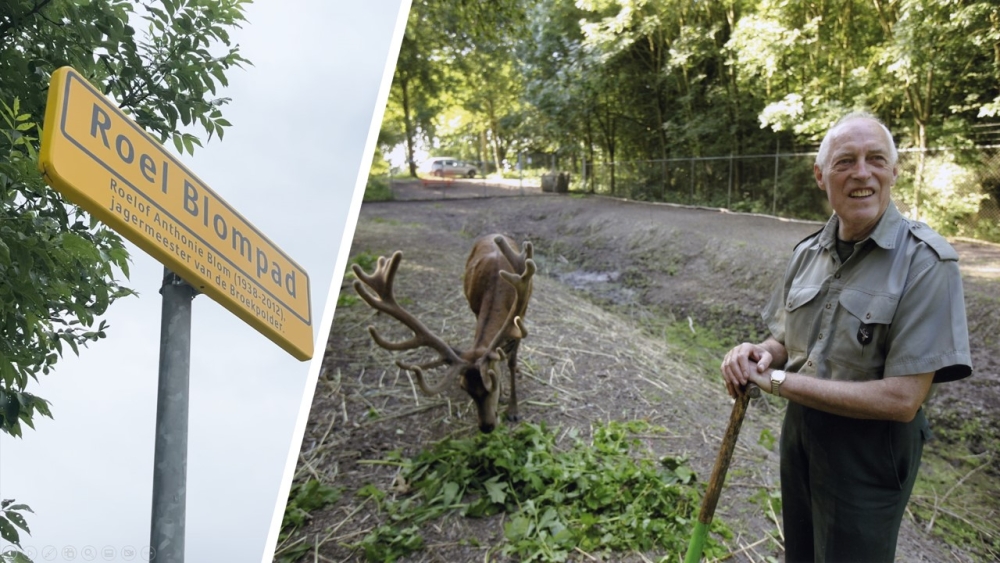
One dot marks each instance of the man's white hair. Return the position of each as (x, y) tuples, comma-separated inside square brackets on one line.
[(823, 155)]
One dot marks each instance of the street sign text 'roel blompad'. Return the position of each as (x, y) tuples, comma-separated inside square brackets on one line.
[(105, 163)]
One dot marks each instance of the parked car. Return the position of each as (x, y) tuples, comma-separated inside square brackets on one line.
[(448, 166)]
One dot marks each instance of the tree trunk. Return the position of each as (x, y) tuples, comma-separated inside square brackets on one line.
[(591, 180), (919, 180), (498, 153), (483, 150), (408, 126)]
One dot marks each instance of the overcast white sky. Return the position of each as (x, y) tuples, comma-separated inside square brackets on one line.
[(301, 117)]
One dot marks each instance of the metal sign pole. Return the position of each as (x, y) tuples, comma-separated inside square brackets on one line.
[(166, 538)]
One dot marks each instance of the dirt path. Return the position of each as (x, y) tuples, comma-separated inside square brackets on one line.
[(582, 361)]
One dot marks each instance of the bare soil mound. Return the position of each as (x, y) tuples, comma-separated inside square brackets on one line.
[(608, 270)]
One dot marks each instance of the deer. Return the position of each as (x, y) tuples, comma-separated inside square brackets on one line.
[(497, 285)]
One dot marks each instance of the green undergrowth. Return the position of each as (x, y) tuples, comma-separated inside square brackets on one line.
[(378, 189), (690, 341), (602, 496), (954, 498), (303, 498)]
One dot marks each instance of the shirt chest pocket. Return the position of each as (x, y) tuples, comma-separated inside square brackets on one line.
[(861, 329), (802, 318)]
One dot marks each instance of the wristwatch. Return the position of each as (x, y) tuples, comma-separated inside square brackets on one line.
[(777, 378)]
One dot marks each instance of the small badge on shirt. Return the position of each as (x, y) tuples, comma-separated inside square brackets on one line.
[(865, 332)]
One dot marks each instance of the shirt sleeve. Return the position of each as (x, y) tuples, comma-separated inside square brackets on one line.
[(774, 312), (929, 332)]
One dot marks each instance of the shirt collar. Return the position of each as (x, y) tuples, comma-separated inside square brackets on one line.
[(884, 233)]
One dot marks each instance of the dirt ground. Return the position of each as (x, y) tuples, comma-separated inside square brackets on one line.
[(605, 267)]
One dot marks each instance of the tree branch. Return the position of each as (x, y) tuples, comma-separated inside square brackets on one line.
[(16, 21)]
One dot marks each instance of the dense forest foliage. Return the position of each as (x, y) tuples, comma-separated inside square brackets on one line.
[(609, 82)]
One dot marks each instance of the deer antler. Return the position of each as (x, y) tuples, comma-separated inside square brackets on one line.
[(521, 262), (522, 289), (522, 292), (492, 373), (516, 260), (418, 370), (376, 289)]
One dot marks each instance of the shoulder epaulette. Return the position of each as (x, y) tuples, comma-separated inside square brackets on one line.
[(809, 236), (934, 240)]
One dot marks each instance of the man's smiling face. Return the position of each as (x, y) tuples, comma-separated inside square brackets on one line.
[(858, 176)]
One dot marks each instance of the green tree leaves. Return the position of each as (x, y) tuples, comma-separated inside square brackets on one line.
[(453, 55), (12, 520), (56, 272)]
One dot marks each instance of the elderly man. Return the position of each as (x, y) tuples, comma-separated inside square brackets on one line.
[(869, 314)]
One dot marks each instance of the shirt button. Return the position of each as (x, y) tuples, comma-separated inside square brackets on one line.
[(868, 316), (837, 275), (821, 336), (827, 305), (809, 363)]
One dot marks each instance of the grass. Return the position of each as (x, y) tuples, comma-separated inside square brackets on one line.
[(693, 344)]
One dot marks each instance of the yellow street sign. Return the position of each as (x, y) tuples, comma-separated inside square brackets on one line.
[(102, 161)]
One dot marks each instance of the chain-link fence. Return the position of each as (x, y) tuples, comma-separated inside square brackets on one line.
[(958, 191), (757, 183)]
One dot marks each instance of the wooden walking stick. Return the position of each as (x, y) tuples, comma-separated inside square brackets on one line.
[(700, 533)]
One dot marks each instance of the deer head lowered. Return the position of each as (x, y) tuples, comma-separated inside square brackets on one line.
[(497, 286)]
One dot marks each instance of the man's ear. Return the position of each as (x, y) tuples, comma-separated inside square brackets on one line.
[(818, 173)]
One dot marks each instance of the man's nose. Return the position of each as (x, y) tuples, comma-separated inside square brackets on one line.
[(861, 169)]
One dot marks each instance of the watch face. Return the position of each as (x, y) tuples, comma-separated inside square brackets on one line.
[(777, 378)]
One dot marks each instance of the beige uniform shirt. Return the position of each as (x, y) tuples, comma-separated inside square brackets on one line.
[(894, 307)]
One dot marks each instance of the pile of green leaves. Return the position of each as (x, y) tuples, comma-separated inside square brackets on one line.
[(601, 496)]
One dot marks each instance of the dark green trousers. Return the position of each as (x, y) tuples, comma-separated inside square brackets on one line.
[(845, 483)]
